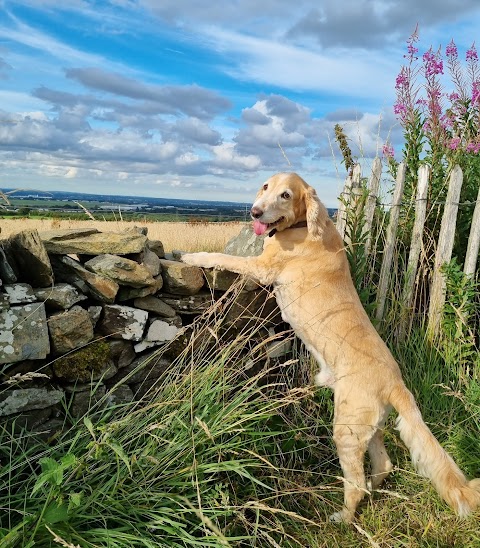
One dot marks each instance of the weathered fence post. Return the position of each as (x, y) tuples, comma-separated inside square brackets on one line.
[(372, 188), (415, 248), (352, 181), (473, 241), (385, 271), (444, 251)]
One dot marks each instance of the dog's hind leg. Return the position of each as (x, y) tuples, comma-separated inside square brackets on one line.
[(352, 434), (380, 461)]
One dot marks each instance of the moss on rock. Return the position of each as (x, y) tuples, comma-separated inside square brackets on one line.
[(91, 361)]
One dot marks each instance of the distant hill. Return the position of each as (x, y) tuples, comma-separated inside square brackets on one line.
[(56, 201), (131, 200)]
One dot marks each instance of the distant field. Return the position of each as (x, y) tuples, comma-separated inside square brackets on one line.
[(200, 236)]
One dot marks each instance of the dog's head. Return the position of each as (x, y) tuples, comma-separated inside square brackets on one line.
[(285, 200)]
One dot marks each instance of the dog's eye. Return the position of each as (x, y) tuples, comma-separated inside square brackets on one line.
[(285, 195), (265, 187)]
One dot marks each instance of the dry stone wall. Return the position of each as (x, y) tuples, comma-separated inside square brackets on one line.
[(81, 309)]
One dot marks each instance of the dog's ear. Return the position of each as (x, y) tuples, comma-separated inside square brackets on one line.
[(316, 214)]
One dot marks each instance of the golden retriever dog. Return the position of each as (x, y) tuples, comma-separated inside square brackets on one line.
[(305, 262)]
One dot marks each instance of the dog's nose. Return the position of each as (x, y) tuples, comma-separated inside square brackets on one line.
[(256, 212)]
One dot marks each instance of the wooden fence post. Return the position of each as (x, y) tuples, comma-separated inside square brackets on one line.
[(352, 181), (473, 241), (385, 271), (373, 185), (444, 251), (415, 248)]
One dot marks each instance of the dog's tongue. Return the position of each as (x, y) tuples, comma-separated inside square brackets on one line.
[(259, 227)]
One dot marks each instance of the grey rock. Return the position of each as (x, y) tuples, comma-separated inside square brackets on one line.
[(121, 270), (61, 296), (122, 352), (222, 280), (100, 243), (82, 402), (157, 247), (146, 345), (29, 259), (155, 305), (159, 332), (71, 271), (49, 430), (70, 329), (67, 233), (128, 293), (252, 306), (28, 420), (181, 278), (148, 259), (278, 349), (123, 322), (176, 254), (146, 366), (95, 312), (28, 399), (188, 304), (120, 395), (246, 244), (7, 273), (23, 333)]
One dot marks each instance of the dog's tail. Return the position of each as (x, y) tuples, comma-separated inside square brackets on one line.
[(430, 459)]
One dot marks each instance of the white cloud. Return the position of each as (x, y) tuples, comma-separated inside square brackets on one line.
[(187, 159), (71, 173), (263, 60), (227, 158)]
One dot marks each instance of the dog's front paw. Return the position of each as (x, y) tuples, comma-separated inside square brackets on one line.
[(201, 259)]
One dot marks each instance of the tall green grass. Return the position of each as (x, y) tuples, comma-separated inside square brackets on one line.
[(197, 464)]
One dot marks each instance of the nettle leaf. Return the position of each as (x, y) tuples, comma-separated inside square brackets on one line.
[(48, 464), (55, 513), (75, 500), (68, 460), (52, 471)]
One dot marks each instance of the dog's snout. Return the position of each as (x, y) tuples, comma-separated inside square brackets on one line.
[(256, 212)]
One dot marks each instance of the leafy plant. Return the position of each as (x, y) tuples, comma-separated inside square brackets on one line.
[(460, 314)]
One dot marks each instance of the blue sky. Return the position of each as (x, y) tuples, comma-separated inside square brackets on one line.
[(191, 99)]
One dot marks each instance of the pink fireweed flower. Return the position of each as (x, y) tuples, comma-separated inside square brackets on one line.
[(432, 63), (472, 53), (446, 121), (400, 109), (473, 147), (402, 81), (451, 50), (454, 143), (453, 96), (388, 150), (411, 49)]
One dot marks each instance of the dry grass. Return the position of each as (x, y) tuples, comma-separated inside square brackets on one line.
[(185, 236)]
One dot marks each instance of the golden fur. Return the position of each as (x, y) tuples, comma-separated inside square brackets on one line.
[(309, 271)]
